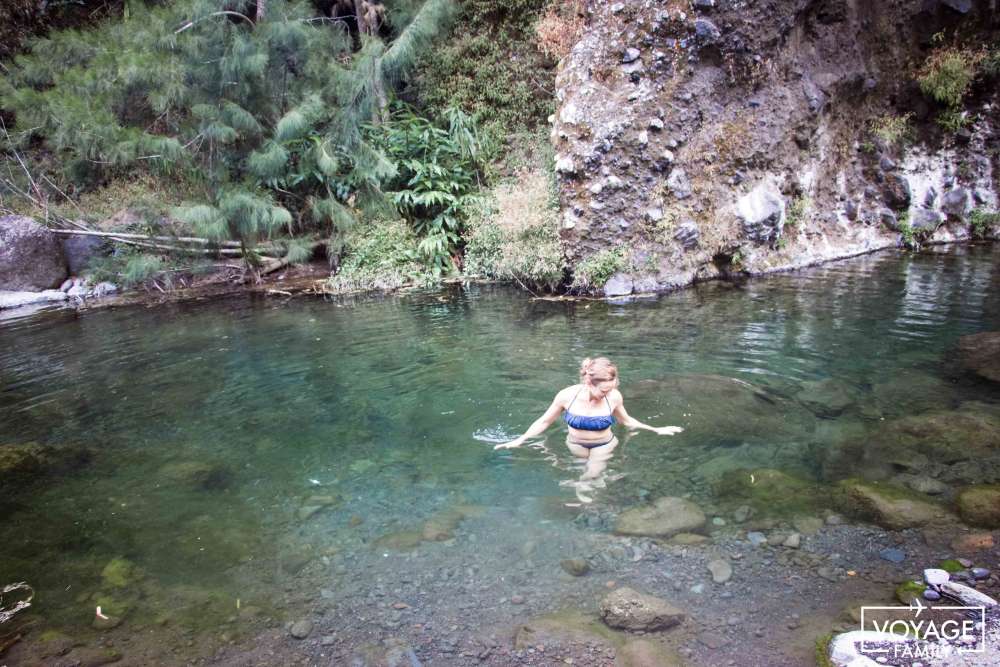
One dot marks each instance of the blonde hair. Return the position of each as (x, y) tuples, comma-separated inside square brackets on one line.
[(590, 367)]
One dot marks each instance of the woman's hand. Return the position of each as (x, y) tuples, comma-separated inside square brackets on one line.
[(510, 445), (667, 430)]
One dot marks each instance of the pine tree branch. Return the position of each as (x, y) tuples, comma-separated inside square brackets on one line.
[(191, 24)]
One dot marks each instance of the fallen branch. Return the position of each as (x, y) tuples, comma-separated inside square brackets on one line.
[(146, 237)]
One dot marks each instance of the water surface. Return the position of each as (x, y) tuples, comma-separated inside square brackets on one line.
[(234, 445)]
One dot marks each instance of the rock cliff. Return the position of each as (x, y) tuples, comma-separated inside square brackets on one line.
[(716, 137)]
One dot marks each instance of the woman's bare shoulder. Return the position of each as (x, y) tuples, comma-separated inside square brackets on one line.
[(568, 392), (616, 397)]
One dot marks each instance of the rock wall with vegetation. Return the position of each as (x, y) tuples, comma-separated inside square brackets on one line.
[(715, 137)]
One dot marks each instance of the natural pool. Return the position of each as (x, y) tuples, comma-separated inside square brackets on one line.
[(209, 471)]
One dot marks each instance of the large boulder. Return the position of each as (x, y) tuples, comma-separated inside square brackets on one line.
[(896, 191), (31, 257), (980, 353), (630, 610), (81, 250), (888, 506), (664, 518), (762, 214), (980, 505)]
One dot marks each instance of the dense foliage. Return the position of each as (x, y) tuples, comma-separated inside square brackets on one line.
[(264, 113), (490, 67)]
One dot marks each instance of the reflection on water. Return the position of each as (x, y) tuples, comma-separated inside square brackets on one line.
[(220, 448)]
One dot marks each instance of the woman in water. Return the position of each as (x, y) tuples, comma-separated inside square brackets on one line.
[(590, 409)]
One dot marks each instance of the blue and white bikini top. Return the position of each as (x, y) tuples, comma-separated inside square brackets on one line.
[(586, 422)]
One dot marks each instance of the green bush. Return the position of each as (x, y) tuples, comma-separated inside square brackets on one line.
[(982, 223), (490, 67), (947, 75), (893, 129), (797, 211), (594, 271), (514, 235), (437, 176), (383, 256), (267, 115)]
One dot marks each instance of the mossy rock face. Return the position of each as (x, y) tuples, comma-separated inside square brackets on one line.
[(980, 505), (951, 565), (772, 492), (646, 653), (664, 518), (888, 506), (980, 353), (944, 437), (198, 475), (908, 591), (23, 460), (120, 573)]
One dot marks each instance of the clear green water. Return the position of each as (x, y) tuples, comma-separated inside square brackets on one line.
[(212, 424)]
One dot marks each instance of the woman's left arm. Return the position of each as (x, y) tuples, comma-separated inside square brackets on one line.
[(631, 423)]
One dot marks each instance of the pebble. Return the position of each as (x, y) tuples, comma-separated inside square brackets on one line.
[(792, 541), (721, 570), (756, 539), (517, 599), (931, 594), (301, 629), (892, 555), (980, 573), (575, 566), (718, 521)]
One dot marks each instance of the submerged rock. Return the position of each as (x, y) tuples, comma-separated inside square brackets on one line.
[(980, 505), (629, 610), (664, 518), (888, 506), (721, 570), (575, 566), (772, 492), (120, 573), (198, 475), (646, 653), (980, 353)]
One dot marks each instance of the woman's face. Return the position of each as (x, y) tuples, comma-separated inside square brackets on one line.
[(601, 384)]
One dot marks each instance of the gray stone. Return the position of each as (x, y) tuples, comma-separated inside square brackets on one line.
[(17, 299), (627, 609), (655, 124), (925, 220), (664, 518), (742, 513), (931, 594), (620, 284), (762, 214), (921, 484), (679, 184), (706, 31), (888, 218), (104, 289), (955, 203), (892, 555), (301, 629), (980, 573), (631, 55), (31, 257), (930, 197), (886, 163), (575, 566), (896, 191), (80, 250), (721, 570), (687, 234), (756, 538), (655, 214), (935, 576), (564, 165), (793, 541)]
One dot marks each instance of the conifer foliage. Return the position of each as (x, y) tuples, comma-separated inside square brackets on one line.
[(265, 110)]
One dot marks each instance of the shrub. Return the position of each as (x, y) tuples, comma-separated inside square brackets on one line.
[(560, 27), (514, 235), (490, 67), (983, 223), (383, 256), (594, 271), (947, 74), (797, 211), (892, 129)]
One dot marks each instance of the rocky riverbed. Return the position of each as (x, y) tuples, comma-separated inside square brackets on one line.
[(452, 589)]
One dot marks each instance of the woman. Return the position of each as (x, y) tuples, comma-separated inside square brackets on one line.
[(590, 409)]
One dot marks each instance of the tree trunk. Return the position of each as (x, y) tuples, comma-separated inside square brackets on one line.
[(261, 10)]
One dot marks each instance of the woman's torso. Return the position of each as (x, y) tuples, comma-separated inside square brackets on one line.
[(593, 418)]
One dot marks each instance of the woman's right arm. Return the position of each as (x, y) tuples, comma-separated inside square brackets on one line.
[(540, 424)]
